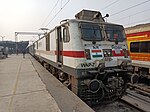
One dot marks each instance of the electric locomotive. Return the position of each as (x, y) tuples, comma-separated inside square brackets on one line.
[(88, 55)]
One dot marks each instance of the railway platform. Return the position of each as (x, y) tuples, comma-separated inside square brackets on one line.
[(25, 86)]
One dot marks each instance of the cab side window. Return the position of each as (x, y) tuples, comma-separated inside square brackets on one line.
[(66, 36)]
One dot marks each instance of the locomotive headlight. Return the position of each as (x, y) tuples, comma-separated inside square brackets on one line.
[(107, 52)]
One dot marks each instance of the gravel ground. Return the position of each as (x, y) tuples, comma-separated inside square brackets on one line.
[(115, 107)]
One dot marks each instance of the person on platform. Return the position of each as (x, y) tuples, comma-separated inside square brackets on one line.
[(24, 52)]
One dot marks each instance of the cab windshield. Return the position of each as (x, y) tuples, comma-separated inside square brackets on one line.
[(90, 32), (115, 33)]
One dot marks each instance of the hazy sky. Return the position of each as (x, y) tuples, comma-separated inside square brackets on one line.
[(30, 15)]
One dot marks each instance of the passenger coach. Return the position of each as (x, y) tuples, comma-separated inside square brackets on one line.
[(138, 38)]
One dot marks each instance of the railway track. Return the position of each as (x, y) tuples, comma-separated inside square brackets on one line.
[(137, 99), (117, 106)]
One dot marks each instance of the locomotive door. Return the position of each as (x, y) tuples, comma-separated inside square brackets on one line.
[(59, 47)]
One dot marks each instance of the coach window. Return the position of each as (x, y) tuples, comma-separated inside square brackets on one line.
[(48, 42), (134, 47), (145, 47), (140, 47), (66, 37)]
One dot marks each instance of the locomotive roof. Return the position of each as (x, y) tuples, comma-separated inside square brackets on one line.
[(79, 20)]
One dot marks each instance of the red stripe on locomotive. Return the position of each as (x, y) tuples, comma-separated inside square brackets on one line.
[(75, 54), (119, 54)]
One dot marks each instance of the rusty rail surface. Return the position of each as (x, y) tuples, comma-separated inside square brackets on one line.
[(139, 101), (142, 87)]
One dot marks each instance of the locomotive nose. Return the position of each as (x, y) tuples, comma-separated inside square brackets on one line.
[(93, 85)]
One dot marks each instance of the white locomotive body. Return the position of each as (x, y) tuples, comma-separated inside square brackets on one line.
[(90, 56)]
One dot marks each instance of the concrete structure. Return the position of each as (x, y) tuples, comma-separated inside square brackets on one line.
[(12, 46), (21, 88)]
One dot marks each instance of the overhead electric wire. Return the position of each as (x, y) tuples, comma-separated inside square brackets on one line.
[(130, 7), (138, 21), (58, 13), (50, 13), (131, 15), (110, 4)]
